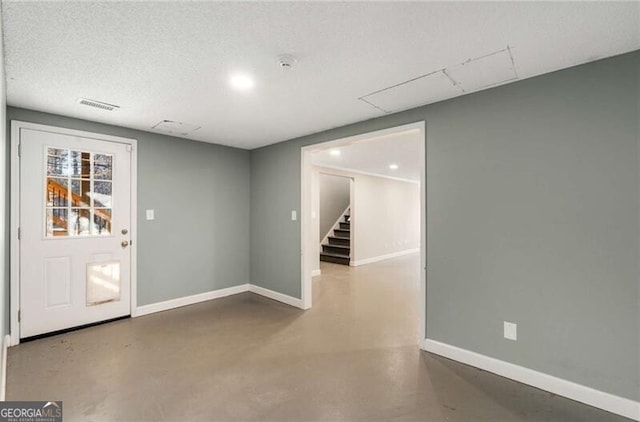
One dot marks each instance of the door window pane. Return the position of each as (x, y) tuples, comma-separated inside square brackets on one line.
[(102, 166), (102, 194), (79, 193), (57, 222), (57, 192), (57, 162), (79, 222), (80, 164), (102, 221)]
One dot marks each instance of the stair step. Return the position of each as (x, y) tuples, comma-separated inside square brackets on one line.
[(347, 218), (345, 241), (334, 258), (334, 254), (336, 249), (345, 226), (342, 233), (338, 246)]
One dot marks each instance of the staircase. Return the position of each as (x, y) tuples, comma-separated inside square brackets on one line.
[(338, 247)]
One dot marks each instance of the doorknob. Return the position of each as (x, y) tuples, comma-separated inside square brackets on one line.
[(125, 231), (125, 244)]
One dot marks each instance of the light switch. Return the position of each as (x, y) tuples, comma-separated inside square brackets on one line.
[(510, 331), (151, 215), (294, 215)]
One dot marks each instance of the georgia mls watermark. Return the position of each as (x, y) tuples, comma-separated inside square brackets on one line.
[(31, 411)]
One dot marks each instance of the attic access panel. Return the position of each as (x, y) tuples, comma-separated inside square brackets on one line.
[(425, 89), (483, 72), (175, 128)]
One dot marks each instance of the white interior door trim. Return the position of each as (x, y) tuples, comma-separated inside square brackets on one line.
[(307, 240), (16, 126)]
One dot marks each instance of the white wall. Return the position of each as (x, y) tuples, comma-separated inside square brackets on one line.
[(385, 216), (335, 196), (315, 220)]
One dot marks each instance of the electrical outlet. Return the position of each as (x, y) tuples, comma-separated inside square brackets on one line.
[(151, 215), (510, 331)]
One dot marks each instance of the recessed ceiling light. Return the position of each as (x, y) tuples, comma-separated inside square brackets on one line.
[(241, 82), (393, 166), (335, 152)]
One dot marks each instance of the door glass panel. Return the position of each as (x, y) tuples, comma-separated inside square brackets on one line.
[(79, 193), (57, 193), (80, 190), (102, 221), (102, 166), (102, 194), (57, 162), (57, 222), (103, 282), (80, 164), (79, 222)]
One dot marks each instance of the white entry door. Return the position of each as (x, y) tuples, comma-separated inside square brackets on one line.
[(75, 215)]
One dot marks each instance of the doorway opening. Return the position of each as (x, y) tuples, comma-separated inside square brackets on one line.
[(334, 218), (386, 214)]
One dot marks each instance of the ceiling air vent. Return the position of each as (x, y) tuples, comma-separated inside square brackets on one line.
[(97, 104)]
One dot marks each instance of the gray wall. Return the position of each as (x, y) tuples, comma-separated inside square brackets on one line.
[(532, 217), (275, 239), (199, 240), (334, 199)]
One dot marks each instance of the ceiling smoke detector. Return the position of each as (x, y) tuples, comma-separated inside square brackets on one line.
[(97, 104), (286, 61)]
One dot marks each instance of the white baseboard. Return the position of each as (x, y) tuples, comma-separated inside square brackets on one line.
[(3, 376), (609, 402), (189, 300), (289, 300), (316, 273), (383, 257), (215, 294)]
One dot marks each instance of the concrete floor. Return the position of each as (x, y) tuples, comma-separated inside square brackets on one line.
[(353, 357)]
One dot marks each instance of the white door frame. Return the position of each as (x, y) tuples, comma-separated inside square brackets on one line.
[(307, 245), (14, 300)]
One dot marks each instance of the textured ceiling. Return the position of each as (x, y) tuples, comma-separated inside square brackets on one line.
[(172, 60), (374, 155)]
